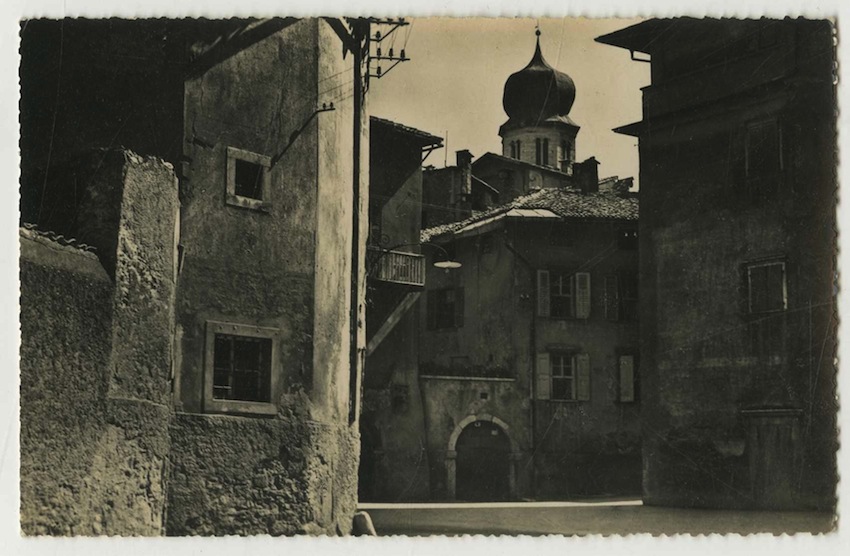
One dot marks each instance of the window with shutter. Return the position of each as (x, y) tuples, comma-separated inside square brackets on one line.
[(582, 296), (582, 361), (543, 376), (543, 293)]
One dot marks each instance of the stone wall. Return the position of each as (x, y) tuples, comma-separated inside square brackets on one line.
[(95, 413)]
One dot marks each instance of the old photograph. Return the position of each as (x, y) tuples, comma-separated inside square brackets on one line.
[(421, 276)]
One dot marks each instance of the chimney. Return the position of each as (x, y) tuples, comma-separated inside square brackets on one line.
[(608, 185), (586, 175), (464, 164), (621, 187)]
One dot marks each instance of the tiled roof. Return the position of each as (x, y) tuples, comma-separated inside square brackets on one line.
[(425, 137), (566, 203), (30, 231)]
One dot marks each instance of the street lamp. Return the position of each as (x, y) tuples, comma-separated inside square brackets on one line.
[(446, 262)]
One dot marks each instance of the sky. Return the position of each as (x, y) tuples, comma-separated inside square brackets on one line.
[(452, 86)]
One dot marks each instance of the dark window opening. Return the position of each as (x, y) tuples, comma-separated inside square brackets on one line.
[(538, 154), (766, 287), (249, 180), (399, 396), (241, 368), (628, 296), (545, 152), (445, 308), (627, 239), (486, 244)]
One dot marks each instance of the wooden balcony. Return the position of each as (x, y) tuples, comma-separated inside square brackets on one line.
[(396, 267)]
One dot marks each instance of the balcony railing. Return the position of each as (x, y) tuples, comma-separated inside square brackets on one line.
[(397, 267)]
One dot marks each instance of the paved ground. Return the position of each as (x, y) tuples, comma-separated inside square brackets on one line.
[(581, 518)]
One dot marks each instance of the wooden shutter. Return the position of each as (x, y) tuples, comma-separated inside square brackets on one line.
[(582, 293), (612, 298), (431, 309), (582, 377), (544, 377), (543, 293), (627, 378), (459, 308)]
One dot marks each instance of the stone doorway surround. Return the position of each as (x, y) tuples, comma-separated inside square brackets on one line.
[(451, 453)]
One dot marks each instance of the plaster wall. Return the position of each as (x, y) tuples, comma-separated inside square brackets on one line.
[(288, 267), (580, 448), (702, 363)]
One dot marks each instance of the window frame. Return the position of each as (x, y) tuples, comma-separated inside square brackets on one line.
[(573, 377), (569, 277), (245, 407), (748, 267), (231, 198)]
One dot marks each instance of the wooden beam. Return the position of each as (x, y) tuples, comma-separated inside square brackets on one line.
[(392, 320)]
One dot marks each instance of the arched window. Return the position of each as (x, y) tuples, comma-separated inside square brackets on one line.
[(545, 152), (538, 152)]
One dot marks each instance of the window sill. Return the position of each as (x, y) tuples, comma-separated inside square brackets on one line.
[(248, 203), (238, 407)]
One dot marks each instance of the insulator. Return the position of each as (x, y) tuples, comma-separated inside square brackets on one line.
[(378, 35), (379, 51), (332, 106), (324, 106), (402, 54), (391, 52), (379, 71)]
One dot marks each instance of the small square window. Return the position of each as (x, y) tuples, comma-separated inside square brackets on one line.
[(239, 375), (248, 180)]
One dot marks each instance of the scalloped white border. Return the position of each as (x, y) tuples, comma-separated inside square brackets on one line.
[(13, 10)]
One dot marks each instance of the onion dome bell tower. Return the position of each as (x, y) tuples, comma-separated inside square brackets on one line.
[(537, 100)]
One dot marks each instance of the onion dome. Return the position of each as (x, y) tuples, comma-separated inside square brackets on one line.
[(538, 91)]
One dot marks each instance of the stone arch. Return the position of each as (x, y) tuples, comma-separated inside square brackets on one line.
[(451, 452)]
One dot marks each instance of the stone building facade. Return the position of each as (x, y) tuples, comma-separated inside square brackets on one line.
[(528, 353), (737, 243), (229, 336), (510, 398)]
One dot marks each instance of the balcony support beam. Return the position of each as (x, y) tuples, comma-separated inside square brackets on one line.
[(395, 317)]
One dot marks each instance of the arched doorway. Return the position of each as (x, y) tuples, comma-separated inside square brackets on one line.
[(481, 460), (483, 463)]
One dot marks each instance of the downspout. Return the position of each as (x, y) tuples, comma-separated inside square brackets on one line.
[(532, 354)]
